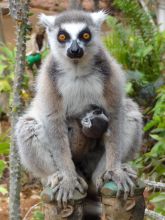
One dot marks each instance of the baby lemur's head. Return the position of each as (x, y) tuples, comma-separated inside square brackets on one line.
[(94, 121), (74, 35)]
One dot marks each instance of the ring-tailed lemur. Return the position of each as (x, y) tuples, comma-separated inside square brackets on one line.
[(77, 73)]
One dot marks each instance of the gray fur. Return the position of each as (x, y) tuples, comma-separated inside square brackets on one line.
[(74, 16), (64, 88)]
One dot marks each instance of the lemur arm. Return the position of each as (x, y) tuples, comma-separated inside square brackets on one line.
[(49, 101), (113, 138)]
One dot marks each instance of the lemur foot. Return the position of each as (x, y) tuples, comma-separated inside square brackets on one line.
[(64, 186), (124, 179)]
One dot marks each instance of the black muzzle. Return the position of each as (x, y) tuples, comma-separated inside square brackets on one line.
[(75, 51)]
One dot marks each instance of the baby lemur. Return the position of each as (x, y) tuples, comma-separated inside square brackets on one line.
[(85, 131), (94, 122), (77, 73)]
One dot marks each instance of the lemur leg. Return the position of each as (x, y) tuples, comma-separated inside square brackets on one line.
[(35, 154), (32, 147), (132, 138)]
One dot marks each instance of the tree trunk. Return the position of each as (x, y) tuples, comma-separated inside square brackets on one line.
[(96, 3), (117, 208), (2, 37), (161, 15), (73, 211), (19, 11), (74, 4)]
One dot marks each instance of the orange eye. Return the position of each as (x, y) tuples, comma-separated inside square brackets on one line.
[(86, 36), (62, 37)]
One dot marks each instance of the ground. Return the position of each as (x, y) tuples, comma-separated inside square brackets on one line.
[(30, 196)]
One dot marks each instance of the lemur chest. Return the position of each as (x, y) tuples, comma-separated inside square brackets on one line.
[(78, 92)]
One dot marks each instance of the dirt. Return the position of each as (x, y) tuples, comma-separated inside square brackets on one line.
[(29, 198), (9, 25)]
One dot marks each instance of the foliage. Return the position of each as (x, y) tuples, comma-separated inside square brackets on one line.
[(158, 199), (3, 190), (3, 166), (155, 158), (7, 63), (138, 45), (135, 53), (4, 143), (38, 215), (7, 60)]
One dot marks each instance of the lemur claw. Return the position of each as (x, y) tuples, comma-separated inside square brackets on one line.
[(64, 186), (124, 179)]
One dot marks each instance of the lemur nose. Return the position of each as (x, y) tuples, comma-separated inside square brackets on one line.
[(75, 51), (75, 47)]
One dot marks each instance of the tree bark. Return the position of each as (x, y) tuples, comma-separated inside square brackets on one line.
[(96, 3), (19, 11), (117, 208), (73, 211), (74, 4), (2, 37), (161, 14)]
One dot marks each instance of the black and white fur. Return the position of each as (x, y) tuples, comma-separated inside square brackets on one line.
[(64, 87), (94, 122)]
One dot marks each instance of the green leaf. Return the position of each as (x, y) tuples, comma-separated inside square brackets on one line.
[(156, 137), (4, 147), (3, 190), (38, 215), (2, 67), (147, 50), (2, 167), (4, 86), (150, 125), (157, 197), (7, 52)]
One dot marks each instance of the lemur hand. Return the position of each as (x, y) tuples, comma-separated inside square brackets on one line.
[(124, 178), (64, 186)]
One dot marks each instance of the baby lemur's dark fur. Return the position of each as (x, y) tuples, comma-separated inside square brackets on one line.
[(94, 122), (86, 130)]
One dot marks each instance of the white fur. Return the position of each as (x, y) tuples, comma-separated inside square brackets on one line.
[(78, 92), (60, 51), (98, 17), (73, 28), (47, 21)]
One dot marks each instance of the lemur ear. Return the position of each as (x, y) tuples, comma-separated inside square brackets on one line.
[(99, 17), (47, 21)]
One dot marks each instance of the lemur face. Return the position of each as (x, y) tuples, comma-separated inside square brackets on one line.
[(74, 35), (74, 38)]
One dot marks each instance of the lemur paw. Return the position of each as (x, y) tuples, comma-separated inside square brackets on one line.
[(64, 186), (123, 177)]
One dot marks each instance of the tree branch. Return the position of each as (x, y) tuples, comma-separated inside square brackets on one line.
[(155, 185), (19, 11), (154, 215)]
